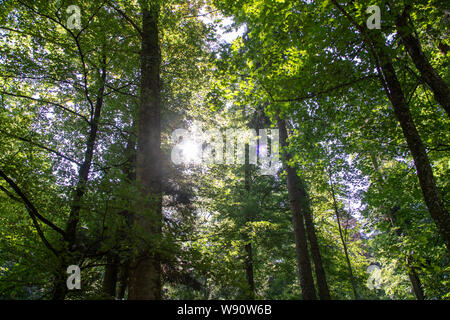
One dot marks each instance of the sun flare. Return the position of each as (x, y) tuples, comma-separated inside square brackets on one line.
[(191, 152)]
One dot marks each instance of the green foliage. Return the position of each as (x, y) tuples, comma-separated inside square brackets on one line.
[(301, 60)]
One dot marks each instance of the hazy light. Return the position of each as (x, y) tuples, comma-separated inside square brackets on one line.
[(191, 152)]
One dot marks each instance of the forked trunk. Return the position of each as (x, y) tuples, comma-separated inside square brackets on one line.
[(301, 245)]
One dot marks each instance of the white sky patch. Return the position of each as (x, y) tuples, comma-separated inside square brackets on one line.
[(222, 27), (234, 34)]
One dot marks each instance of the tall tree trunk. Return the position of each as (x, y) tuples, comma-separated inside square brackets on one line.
[(145, 278), (376, 45), (110, 279), (321, 280), (424, 172), (129, 171), (248, 259), (428, 73), (67, 258), (324, 293), (301, 245), (83, 173), (344, 244)]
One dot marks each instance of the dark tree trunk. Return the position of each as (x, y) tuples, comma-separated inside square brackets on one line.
[(301, 245), (85, 167), (249, 271), (129, 170), (59, 284), (416, 284), (428, 73), (321, 280), (424, 172), (110, 280), (145, 277), (248, 259), (67, 258), (389, 80), (324, 293)]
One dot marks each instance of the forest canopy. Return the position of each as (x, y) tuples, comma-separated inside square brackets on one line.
[(224, 149)]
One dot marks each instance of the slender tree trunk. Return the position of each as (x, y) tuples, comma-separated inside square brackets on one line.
[(85, 167), (344, 244), (376, 45), (301, 245), (248, 260), (428, 73), (424, 172), (125, 234), (415, 282), (145, 277), (60, 289), (249, 271)]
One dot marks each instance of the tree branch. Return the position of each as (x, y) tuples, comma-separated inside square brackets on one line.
[(59, 154), (33, 211), (47, 102), (126, 17)]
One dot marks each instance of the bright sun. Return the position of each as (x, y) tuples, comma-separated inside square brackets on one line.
[(191, 152)]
